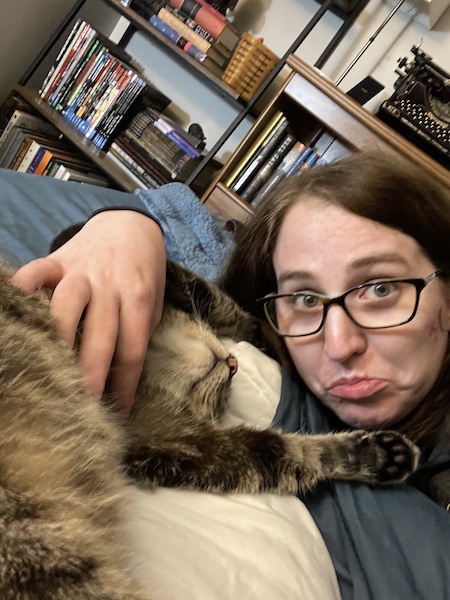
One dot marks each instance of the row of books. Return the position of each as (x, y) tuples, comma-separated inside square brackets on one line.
[(96, 85), (274, 155), (194, 26), (28, 144), (153, 149)]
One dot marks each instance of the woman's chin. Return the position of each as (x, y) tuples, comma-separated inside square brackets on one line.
[(364, 417)]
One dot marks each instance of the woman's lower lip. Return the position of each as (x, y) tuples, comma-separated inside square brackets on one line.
[(359, 389)]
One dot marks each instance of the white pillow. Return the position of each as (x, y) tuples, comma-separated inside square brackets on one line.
[(199, 546)]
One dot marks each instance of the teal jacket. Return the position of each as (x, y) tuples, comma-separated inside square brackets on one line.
[(388, 543)]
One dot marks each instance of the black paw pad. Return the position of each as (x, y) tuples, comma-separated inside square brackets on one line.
[(397, 457)]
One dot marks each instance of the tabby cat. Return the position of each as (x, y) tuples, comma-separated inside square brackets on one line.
[(65, 460)]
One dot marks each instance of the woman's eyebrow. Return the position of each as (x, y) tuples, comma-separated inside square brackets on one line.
[(358, 263), (295, 275), (379, 259)]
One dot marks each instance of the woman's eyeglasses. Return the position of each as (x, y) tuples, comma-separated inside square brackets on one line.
[(378, 305)]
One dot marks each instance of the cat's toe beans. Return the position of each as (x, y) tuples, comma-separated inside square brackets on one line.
[(398, 456)]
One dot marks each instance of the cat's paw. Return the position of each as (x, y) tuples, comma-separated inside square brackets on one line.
[(389, 456)]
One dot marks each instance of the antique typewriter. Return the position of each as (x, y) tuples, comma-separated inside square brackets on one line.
[(419, 108)]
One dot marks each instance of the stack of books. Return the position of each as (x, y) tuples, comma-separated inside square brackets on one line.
[(274, 155), (153, 149), (29, 144), (96, 85), (194, 26)]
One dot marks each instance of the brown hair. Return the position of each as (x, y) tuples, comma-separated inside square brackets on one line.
[(389, 190)]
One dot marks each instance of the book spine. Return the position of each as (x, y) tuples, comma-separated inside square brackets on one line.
[(135, 153), (136, 168), (66, 62), (177, 39), (267, 168), (59, 57), (201, 31), (83, 42), (184, 30), (203, 16), (195, 5), (267, 146), (108, 125), (280, 172), (254, 148), (36, 159), (43, 163), (146, 153)]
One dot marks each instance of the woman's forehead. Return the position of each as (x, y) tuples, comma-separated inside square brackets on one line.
[(316, 234)]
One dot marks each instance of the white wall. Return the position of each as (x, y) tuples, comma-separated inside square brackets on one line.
[(278, 21)]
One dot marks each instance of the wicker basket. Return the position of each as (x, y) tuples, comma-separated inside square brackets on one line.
[(250, 64)]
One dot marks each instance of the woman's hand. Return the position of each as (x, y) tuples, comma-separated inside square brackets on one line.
[(113, 271)]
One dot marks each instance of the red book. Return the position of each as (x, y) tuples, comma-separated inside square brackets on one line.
[(203, 14)]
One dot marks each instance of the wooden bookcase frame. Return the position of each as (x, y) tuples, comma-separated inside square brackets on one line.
[(320, 114)]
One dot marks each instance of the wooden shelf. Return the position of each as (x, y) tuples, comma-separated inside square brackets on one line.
[(322, 115), (97, 156), (187, 61)]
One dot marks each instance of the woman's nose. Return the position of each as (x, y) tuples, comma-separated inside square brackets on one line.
[(342, 337)]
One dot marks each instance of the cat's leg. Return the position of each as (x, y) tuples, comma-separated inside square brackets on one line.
[(252, 461), (60, 559)]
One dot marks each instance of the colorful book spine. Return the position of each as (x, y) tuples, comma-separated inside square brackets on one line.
[(184, 30), (191, 23), (177, 39), (206, 16)]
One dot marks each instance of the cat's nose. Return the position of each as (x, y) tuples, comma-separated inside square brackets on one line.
[(232, 364)]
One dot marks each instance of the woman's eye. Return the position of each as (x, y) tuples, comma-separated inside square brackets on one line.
[(310, 301), (379, 290)]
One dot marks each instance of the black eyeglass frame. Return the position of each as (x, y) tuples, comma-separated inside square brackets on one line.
[(419, 283)]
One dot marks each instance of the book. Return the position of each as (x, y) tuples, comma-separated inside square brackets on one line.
[(203, 15), (60, 56), (280, 172), (184, 30), (267, 168), (136, 168), (265, 149), (254, 148), (144, 156), (66, 60), (66, 72), (172, 130), (25, 120), (191, 23), (123, 166), (176, 38)]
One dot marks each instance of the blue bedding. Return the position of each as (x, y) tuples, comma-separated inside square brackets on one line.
[(34, 209)]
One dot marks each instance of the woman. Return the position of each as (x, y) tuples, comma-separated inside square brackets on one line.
[(352, 263)]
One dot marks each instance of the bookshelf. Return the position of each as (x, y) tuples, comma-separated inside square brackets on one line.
[(320, 114), (137, 23), (98, 157)]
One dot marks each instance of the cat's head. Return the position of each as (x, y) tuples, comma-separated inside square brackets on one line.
[(187, 360)]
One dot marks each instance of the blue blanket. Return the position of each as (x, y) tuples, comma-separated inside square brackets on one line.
[(193, 236)]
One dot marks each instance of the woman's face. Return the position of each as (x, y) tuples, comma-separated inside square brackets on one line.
[(369, 378)]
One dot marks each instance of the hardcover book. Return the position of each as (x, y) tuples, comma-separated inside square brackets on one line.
[(254, 148)]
